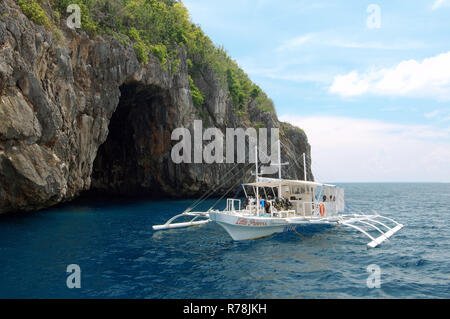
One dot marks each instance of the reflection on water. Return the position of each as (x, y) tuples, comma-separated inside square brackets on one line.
[(122, 257)]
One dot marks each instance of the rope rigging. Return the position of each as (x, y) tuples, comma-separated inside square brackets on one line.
[(232, 186), (223, 181), (208, 194)]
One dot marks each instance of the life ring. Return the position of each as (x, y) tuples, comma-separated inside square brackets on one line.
[(322, 209)]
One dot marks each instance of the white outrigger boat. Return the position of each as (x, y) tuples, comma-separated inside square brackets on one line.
[(295, 203)]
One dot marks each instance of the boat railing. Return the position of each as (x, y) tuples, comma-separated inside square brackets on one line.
[(309, 209), (231, 205), (313, 209), (331, 207), (282, 213)]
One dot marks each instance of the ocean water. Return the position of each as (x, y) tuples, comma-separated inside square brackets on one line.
[(120, 256)]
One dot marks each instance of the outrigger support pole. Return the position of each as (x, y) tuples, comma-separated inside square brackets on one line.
[(369, 220), (169, 225)]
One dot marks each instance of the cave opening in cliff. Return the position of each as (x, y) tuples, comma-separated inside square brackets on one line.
[(129, 161)]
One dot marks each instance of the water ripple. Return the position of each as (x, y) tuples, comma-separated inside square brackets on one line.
[(122, 257)]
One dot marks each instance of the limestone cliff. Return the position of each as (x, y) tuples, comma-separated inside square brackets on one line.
[(80, 113)]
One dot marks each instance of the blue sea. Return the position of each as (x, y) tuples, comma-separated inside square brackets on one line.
[(120, 256)]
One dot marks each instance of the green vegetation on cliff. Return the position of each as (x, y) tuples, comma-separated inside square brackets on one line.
[(33, 10), (160, 27)]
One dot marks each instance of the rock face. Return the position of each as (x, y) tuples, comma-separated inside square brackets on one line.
[(80, 114)]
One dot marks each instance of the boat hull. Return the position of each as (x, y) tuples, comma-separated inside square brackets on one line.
[(239, 233), (248, 228)]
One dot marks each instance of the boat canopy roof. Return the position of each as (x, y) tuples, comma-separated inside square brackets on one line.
[(275, 182)]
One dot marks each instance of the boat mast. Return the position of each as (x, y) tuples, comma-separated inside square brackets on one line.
[(279, 166), (304, 165), (256, 173)]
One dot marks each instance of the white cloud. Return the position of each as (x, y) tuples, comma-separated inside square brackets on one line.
[(348, 149), (329, 39), (429, 78), (432, 114), (442, 115), (391, 108), (375, 45), (288, 73), (439, 4), (299, 78), (295, 42)]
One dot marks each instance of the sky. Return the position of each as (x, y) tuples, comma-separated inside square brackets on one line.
[(368, 81)]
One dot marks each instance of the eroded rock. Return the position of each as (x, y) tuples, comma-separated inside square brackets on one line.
[(80, 114)]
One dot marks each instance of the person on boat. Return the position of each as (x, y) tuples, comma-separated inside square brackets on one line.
[(277, 203), (288, 204), (246, 203), (267, 206), (324, 198), (261, 202)]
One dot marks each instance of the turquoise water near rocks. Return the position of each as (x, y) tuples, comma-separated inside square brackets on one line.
[(122, 257)]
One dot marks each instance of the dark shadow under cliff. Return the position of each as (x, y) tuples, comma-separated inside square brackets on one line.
[(138, 135), (135, 159)]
